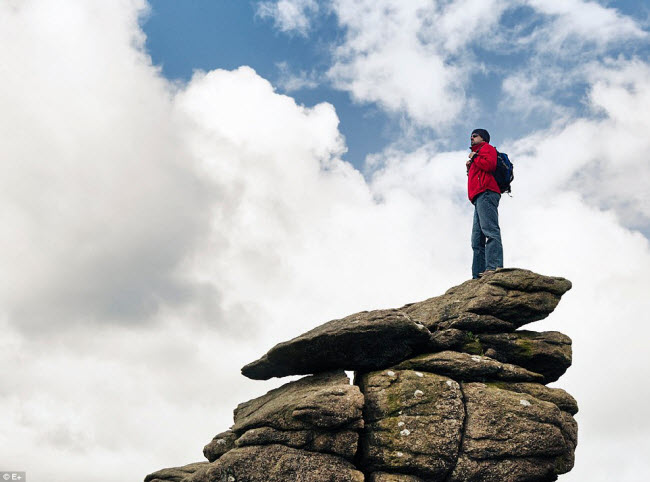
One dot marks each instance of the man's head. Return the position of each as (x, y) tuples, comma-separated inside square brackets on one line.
[(479, 135)]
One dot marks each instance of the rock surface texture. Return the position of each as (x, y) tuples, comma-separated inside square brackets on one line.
[(445, 390)]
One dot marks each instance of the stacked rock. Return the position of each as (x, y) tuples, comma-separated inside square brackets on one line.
[(447, 389)]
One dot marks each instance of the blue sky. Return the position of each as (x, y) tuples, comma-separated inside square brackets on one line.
[(202, 34), (185, 36), (160, 229)]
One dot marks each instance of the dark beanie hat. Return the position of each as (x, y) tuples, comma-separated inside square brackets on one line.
[(483, 133)]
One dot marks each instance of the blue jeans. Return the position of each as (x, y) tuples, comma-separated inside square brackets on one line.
[(486, 234)]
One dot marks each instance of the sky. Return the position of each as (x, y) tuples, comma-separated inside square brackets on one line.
[(187, 183)]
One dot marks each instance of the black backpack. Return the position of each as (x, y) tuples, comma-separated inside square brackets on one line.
[(504, 173)]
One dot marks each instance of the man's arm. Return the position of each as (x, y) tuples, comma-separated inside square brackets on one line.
[(486, 158)]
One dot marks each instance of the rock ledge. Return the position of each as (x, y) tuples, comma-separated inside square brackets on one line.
[(445, 390)]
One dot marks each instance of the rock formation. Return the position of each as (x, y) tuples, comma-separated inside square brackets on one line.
[(447, 389)]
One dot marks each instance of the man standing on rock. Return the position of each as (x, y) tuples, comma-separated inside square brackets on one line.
[(483, 191)]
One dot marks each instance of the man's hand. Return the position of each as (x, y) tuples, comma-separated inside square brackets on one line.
[(471, 158)]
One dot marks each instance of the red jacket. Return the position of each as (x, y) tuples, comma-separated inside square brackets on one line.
[(480, 177)]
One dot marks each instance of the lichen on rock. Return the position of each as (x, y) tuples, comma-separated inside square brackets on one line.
[(413, 423)]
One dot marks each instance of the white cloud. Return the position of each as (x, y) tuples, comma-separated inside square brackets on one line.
[(576, 22), (290, 81), (619, 167), (421, 58), (561, 40), (602, 157), (289, 15), (407, 56), (82, 171), (293, 204), (525, 95)]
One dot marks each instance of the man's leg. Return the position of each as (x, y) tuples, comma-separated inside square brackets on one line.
[(478, 245), (487, 207)]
